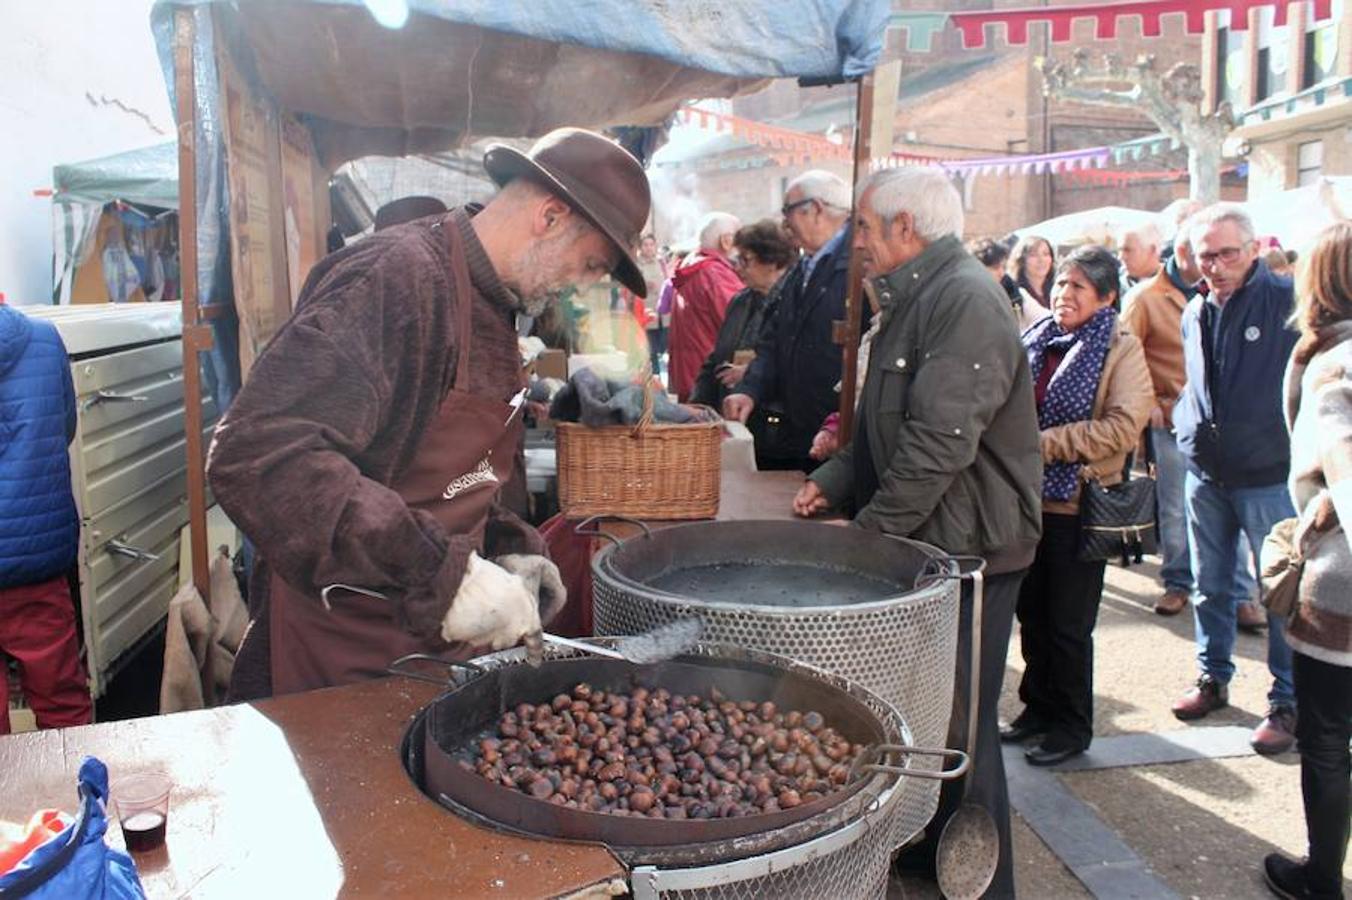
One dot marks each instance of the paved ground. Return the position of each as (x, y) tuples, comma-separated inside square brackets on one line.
[(1128, 824)]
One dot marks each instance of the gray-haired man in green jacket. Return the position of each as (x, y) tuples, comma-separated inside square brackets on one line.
[(946, 441)]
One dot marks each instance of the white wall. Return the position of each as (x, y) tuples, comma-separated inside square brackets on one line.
[(79, 79)]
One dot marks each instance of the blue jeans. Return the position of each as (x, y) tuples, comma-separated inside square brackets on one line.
[(1170, 467), (1216, 517), (1176, 564)]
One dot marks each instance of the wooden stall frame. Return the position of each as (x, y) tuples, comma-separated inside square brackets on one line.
[(197, 335), (854, 296)]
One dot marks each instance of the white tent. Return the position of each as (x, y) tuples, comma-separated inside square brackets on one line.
[(1091, 226), (1296, 216)]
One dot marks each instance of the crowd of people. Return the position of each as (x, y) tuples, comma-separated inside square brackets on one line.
[(999, 385), (990, 399)]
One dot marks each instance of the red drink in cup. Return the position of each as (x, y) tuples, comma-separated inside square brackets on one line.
[(142, 803)]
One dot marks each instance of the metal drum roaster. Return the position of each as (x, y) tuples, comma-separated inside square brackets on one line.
[(838, 846), (879, 611)]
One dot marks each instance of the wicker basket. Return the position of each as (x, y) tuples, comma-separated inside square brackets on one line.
[(646, 471)]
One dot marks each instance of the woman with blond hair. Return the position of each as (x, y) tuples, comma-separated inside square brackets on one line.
[(1318, 389)]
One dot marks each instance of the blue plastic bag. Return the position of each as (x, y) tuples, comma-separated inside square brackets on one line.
[(77, 863)]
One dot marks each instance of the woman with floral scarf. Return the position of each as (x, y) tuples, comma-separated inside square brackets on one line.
[(1094, 397)]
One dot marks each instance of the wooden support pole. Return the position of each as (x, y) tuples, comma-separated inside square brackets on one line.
[(197, 335), (854, 297)]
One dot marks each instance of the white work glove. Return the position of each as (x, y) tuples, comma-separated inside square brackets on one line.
[(492, 606), (542, 579)]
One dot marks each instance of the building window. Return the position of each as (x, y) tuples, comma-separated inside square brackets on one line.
[(1321, 49), (1271, 71), (1230, 67), (1309, 162)]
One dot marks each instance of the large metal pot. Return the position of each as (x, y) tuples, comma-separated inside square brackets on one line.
[(879, 611)]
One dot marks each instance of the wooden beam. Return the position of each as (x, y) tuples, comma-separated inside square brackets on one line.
[(854, 297), (196, 335)]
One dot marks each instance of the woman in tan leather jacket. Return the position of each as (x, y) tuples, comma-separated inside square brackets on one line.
[(1094, 397)]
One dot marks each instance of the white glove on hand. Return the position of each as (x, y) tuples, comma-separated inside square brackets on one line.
[(542, 579), (492, 606)]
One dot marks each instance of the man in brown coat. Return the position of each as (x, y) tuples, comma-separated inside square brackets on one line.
[(365, 455)]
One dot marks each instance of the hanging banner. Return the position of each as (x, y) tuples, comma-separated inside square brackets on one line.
[(787, 147), (921, 27), (1061, 161), (1107, 16)]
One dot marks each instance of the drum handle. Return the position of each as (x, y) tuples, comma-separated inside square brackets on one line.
[(580, 527), (398, 668), (963, 762), (977, 573)]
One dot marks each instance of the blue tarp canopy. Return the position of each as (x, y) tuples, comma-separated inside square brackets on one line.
[(473, 68), (147, 175)]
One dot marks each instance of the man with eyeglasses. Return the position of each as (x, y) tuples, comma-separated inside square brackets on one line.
[(1230, 428), (790, 386)]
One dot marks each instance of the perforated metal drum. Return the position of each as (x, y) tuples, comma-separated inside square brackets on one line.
[(855, 603)]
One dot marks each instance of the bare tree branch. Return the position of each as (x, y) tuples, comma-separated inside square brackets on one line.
[(1173, 101)]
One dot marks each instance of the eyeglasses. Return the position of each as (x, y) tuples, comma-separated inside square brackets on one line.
[(1226, 255), (790, 207)]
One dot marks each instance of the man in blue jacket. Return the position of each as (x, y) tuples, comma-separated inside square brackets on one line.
[(39, 528), (1230, 428), (793, 377)]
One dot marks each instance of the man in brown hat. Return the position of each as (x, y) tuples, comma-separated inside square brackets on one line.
[(365, 454)]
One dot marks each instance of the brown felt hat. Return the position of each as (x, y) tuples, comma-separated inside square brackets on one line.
[(596, 176)]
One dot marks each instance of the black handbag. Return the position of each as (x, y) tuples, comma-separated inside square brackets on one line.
[(1118, 521), (769, 428)]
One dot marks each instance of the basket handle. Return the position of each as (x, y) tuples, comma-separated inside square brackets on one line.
[(645, 418)]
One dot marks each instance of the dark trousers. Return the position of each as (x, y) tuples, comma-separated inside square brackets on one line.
[(657, 345), (987, 775), (1323, 729), (1058, 606)]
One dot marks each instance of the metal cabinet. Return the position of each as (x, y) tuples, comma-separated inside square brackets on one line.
[(128, 468)]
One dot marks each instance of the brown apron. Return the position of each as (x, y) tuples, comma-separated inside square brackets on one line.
[(463, 458)]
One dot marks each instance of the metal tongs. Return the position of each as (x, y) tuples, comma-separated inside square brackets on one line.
[(661, 643)]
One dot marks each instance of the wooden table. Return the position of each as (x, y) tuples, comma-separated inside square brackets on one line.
[(303, 796)]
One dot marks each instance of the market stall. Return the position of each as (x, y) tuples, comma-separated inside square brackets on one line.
[(115, 227), (271, 97)]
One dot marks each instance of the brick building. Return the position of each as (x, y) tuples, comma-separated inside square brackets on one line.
[(1291, 87), (952, 103)]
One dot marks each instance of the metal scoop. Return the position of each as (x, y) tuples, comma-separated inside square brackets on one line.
[(661, 643), (969, 847)]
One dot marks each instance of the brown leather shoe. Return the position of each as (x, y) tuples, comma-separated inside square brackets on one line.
[(1172, 603), (1251, 617), (1276, 733), (1207, 696)]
